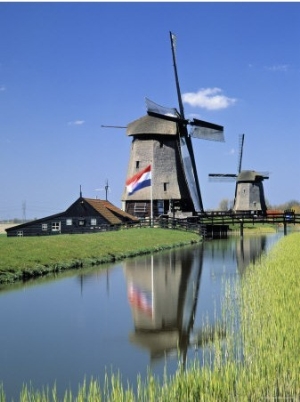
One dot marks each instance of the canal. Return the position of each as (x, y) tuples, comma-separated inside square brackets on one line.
[(141, 314)]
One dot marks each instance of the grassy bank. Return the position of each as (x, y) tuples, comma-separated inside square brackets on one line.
[(254, 229), (27, 257), (268, 346), (271, 297), (263, 228)]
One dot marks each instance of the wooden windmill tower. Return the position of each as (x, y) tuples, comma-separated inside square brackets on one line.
[(161, 139), (249, 192)]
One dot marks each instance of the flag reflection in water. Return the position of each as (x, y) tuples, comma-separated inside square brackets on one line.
[(140, 299)]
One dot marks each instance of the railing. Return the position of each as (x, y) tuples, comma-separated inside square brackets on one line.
[(216, 223), (235, 218)]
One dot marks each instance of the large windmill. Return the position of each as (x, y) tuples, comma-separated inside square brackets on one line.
[(249, 192), (163, 139)]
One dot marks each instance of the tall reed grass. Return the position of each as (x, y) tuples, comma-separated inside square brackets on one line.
[(257, 361), (271, 322)]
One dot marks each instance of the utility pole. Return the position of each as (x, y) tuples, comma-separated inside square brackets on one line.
[(106, 189), (24, 210)]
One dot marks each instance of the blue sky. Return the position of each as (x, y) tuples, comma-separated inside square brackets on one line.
[(68, 68)]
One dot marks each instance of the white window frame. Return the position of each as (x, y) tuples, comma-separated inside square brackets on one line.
[(93, 221), (56, 226), (69, 222), (44, 227)]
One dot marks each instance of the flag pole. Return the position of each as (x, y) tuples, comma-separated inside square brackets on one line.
[(151, 197), (152, 288)]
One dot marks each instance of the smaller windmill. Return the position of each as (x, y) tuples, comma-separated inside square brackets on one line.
[(249, 192)]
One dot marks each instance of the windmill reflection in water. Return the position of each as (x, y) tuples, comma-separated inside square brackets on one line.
[(163, 297), (164, 293)]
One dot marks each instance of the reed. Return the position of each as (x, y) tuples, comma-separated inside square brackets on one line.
[(271, 329), (257, 361)]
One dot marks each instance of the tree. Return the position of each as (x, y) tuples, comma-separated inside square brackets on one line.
[(224, 205), (293, 204)]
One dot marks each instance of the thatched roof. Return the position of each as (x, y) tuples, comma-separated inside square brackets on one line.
[(151, 125)]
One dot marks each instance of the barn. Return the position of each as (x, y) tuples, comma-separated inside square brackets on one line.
[(85, 215)]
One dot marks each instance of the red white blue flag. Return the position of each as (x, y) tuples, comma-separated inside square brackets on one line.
[(139, 180)]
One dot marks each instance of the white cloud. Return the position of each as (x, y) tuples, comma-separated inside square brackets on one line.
[(76, 123), (278, 67), (208, 98)]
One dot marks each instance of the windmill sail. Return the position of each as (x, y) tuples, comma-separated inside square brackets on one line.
[(158, 110), (240, 173), (222, 176), (206, 131), (200, 129), (187, 154), (242, 137), (173, 45), (230, 176), (190, 175), (249, 192)]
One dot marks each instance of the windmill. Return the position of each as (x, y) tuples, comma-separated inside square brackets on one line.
[(249, 192), (163, 138)]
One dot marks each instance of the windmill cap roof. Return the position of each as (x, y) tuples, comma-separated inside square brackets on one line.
[(250, 175), (151, 125)]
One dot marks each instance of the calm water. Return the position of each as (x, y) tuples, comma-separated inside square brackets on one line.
[(127, 317)]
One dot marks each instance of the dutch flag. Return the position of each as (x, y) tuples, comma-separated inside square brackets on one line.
[(139, 180)]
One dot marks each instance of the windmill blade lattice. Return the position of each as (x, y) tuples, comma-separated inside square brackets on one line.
[(241, 147), (227, 177), (206, 131), (153, 109)]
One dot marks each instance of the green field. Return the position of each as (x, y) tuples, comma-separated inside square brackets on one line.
[(27, 257)]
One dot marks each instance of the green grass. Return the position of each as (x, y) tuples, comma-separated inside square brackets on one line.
[(269, 344), (271, 301), (25, 257), (255, 229)]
